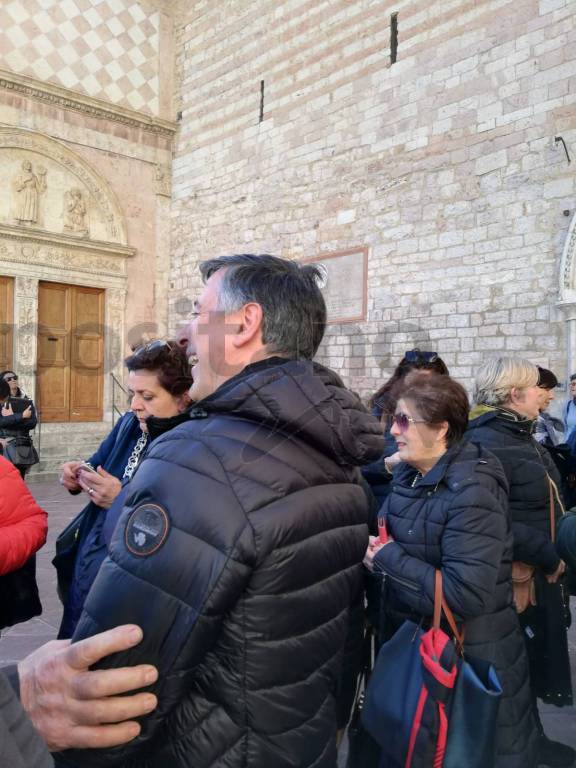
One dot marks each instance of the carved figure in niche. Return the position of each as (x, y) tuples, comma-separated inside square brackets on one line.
[(29, 186), (75, 212)]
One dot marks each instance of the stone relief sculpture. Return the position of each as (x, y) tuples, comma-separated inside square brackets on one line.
[(75, 213), (29, 188), (162, 181)]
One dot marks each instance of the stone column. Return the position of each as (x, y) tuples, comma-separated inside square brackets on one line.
[(26, 331), (114, 343), (568, 309), (163, 188)]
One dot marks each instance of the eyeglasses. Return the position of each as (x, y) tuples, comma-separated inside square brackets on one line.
[(419, 356), (403, 421), (11, 378)]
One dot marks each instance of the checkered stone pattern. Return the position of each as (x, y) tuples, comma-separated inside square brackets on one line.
[(108, 49)]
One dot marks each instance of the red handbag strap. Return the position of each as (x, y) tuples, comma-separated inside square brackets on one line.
[(440, 605)]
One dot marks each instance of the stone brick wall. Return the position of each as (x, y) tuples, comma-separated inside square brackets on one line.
[(444, 164)]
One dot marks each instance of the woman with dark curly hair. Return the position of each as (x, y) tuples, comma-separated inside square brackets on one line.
[(159, 379), (383, 402)]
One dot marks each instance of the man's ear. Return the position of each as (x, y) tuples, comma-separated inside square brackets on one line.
[(251, 318)]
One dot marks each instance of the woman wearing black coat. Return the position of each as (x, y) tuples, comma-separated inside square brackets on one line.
[(378, 474), (17, 418), (447, 511), (508, 401)]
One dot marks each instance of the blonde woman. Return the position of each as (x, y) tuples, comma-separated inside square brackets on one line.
[(507, 403)]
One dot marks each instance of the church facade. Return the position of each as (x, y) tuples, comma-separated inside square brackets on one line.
[(86, 136)]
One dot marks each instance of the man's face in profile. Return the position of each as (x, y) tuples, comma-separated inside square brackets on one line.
[(208, 338)]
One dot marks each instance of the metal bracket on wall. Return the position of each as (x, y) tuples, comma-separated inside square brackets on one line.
[(558, 140)]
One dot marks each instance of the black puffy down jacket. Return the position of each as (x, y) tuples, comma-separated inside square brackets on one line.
[(256, 526), (455, 519), (525, 463), (529, 468)]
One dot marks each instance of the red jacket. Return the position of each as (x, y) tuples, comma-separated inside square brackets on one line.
[(23, 524)]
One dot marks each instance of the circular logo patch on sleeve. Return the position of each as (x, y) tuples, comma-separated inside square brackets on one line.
[(146, 530)]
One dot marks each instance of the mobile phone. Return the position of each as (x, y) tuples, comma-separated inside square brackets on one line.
[(87, 467)]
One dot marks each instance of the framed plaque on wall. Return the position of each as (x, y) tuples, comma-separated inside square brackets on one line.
[(344, 284)]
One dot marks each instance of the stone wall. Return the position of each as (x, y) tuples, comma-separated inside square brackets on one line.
[(444, 164)]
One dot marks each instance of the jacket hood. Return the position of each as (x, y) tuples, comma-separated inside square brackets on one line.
[(301, 399), (462, 463)]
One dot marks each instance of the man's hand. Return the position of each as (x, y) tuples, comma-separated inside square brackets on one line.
[(73, 707), (101, 486), (552, 578), (27, 412), (7, 410)]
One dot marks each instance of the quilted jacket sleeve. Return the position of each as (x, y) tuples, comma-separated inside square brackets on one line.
[(180, 593), (23, 524), (20, 745), (472, 547)]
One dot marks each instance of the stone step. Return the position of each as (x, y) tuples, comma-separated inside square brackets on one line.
[(58, 443)]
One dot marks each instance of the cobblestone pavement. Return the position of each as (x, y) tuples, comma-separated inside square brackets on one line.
[(20, 640)]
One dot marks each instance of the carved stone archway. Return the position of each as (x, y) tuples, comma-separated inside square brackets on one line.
[(567, 294), (72, 232)]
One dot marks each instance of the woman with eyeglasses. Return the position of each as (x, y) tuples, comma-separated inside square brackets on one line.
[(158, 380), (17, 419), (378, 474), (447, 511)]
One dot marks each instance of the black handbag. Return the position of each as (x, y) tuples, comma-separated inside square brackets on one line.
[(19, 598), (363, 751), (20, 451)]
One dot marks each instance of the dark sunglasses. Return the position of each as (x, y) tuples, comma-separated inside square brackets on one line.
[(403, 421), (419, 356), (152, 346), (11, 378)]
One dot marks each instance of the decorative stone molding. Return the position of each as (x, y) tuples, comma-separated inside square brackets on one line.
[(42, 237), (567, 266), (567, 293), (26, 316), (78, 102), (60, 255), (115, 311)]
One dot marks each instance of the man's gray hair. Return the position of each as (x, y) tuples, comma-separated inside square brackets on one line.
[(496, 378), (294, 311)]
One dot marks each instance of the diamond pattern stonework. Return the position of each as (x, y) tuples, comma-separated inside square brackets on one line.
[(108, 49)]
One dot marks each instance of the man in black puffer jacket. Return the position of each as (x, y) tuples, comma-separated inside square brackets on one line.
[(239, 550)]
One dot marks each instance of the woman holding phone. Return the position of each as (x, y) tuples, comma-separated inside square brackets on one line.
[(159, 379)]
